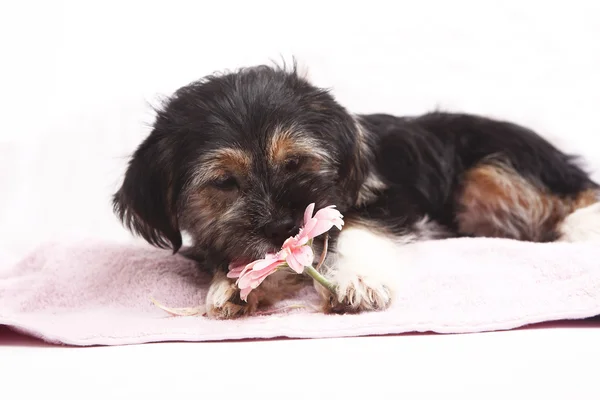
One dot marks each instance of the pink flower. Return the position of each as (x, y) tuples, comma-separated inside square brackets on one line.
[(294, 252)]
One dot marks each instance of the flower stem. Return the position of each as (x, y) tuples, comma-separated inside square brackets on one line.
[(324, 252), (314, 273)]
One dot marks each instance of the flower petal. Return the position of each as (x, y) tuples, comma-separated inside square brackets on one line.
[(244, 293), (235, 272), (302, 239), (320, 228), (300, 258), (329, 213), (306, 233), (266, 263), (294, 264), (327, 218), (308, 213), (289, 244), (258, 278), (304, 255), (249, 267), (252, 276), (235, 269)]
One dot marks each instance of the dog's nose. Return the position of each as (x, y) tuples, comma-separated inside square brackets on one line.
[(279, 231)]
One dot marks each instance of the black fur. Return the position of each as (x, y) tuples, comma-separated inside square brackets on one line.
[(422, 160)]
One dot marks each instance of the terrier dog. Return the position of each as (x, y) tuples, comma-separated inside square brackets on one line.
[(234, 159)]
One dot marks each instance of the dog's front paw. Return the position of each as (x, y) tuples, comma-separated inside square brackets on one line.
[(223, 300), (356, 294)]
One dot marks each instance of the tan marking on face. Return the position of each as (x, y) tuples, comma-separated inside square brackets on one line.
[(221, 163), (209, 200), (496, 201), (288, 143), (230, 159), (285, 143)]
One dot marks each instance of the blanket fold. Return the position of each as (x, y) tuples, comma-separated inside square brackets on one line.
[(99, 293)]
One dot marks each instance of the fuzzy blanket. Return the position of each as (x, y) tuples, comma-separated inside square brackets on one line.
[(99, 293)]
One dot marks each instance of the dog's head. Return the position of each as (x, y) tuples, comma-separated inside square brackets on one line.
[(234, 160)]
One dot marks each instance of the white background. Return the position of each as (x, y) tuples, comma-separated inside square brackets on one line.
[(77, 78)]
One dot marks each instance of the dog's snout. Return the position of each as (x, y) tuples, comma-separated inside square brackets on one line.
[(278, 231)]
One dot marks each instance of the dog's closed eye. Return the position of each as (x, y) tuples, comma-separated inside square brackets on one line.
[(294, 164), (226, 183)]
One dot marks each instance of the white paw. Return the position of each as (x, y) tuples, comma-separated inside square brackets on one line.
[(362, 270), (358, 293), (583, 225), (223, 300)]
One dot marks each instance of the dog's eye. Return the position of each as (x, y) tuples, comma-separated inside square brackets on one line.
[(293, 164), (225, 183)]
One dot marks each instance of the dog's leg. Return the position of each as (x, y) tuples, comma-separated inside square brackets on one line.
[(223, 299), (495, 200), (361, 268)]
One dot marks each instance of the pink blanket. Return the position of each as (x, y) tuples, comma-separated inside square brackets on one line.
[(99, 294)]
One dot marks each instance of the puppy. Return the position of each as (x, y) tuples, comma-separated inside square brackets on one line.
[(233, 160)]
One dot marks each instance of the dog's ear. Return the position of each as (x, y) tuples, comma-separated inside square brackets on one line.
[(146, 201)]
